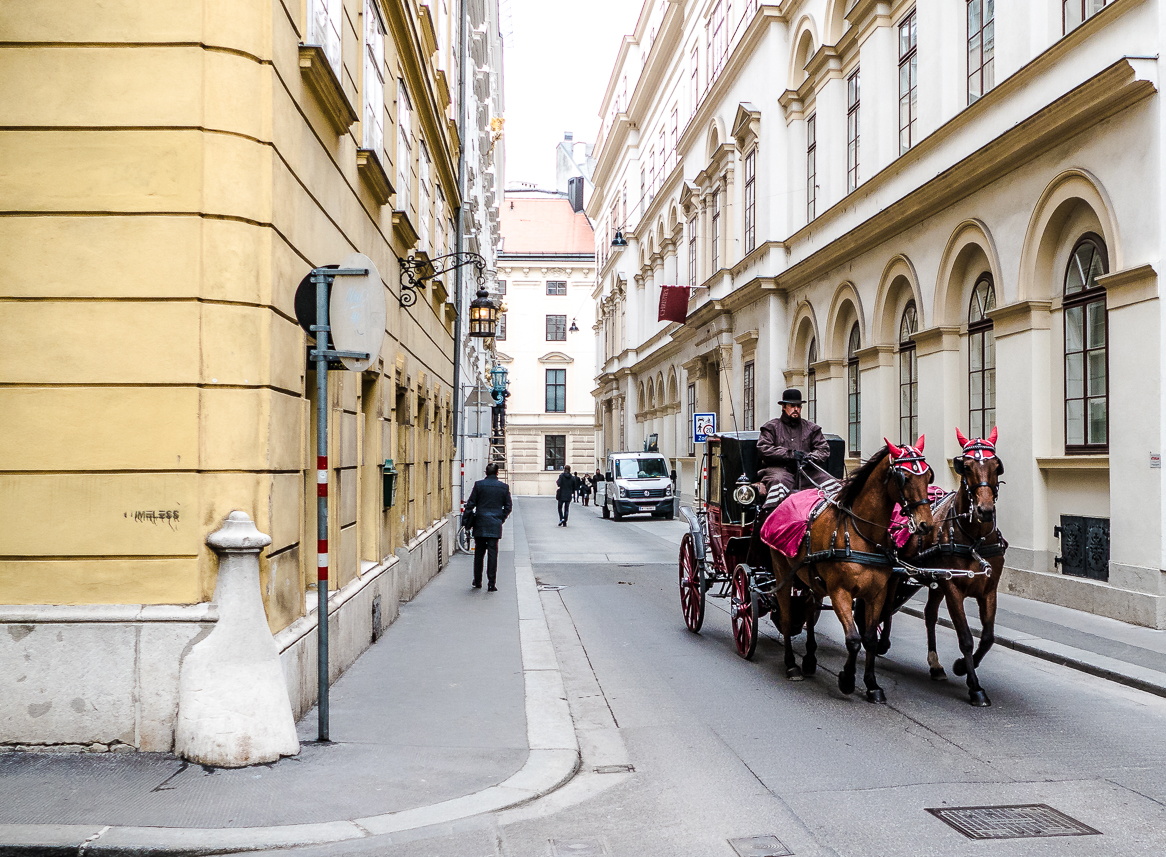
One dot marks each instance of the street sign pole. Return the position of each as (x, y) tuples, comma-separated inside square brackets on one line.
[(321, 354)]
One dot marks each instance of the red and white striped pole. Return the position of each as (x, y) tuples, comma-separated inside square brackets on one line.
[(321, 329)]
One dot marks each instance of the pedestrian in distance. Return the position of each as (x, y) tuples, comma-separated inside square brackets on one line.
[(586, 490), (565, 490), (487, 508)]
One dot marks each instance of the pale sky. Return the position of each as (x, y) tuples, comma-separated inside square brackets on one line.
[(558, 58)]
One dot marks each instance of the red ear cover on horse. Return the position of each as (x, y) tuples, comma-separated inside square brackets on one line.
[(959, 435), (919, 443), (992, 436), (892, 449)]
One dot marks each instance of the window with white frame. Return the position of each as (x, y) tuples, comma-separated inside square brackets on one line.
[(908, 83), (751, 201), (500, 330), (324, 19), (715, 233), (663, 159), (694, 79), (675, 136), (811, 168), (373, 119), (908, 376), (643, 190), (853, 105), (404, 145), (556, 287), (423, 193), (981, 47), (692, 251)]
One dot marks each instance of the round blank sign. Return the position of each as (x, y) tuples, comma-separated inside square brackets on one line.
[(356, 312)]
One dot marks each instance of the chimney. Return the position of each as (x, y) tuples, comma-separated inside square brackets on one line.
[(568, 136), (575, 193)]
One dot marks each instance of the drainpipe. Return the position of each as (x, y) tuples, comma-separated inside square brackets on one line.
[(458, 422)]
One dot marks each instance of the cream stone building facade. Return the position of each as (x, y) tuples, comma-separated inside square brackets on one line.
[(172, 172), (926, 215), (546, 338)]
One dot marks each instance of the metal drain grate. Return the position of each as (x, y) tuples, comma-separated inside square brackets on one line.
[(615, 769), (578, 848), (549, 587), (760, 846), (1022, 821)]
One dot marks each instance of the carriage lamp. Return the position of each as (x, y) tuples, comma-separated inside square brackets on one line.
[(745, 494), (483, 316)]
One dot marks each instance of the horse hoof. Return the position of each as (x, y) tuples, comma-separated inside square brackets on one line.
[(846, 683), (793, 673), (877, 696), (884, 647), (937, 674), (959, 668), (979, 699), (809, 665)]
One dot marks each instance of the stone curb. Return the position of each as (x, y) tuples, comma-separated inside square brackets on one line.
[(553, 761), (1101, 666)]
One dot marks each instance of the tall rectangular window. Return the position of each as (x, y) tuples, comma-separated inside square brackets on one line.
[(556, 328), (501, 286), (663, 159), (643, 190), (692, 251), (423, 196), (373, 119), (556, 287), (751, 202), (981, 47), (811, 168), (747, 411), (675, 136), (404, 145), (908, 83), (853, 103), (853, 396), (325, 24), (500, 331), (691, 414), (1075, 12), (554, 451), (556, 391), (715, 235), (694, 79)]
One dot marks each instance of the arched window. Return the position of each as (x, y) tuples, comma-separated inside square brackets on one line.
[(908, 377), (981, 359), (1086, 352), (853, 395), (812, 382)]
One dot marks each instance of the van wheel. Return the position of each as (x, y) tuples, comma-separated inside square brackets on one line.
[(606, 514), (616, 514)]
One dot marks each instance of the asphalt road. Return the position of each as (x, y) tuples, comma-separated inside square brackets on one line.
[(724, 749)]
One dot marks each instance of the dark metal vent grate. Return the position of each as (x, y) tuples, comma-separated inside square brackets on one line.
[(760, 846), (1024, 821)]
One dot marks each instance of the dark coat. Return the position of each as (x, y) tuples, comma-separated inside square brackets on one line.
[(568, 484), (490, 505), (780, 438)]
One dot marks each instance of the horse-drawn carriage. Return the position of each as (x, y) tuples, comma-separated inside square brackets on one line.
[(845, 551)]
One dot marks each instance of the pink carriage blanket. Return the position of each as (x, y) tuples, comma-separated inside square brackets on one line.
[(785, 528)]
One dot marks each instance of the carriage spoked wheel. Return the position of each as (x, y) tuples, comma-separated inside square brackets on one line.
[(743, 611), (691, 585)]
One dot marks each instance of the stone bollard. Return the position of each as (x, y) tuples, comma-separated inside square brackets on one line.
[(233, 707)]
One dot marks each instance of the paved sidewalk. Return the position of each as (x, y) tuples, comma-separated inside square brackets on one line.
[(457, 710)]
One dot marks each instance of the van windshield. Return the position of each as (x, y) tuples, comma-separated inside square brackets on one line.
[(641, 468)]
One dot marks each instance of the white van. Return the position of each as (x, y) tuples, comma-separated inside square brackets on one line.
[(637, 483)]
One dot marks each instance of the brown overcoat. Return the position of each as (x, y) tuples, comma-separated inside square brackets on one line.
[(780, 438)]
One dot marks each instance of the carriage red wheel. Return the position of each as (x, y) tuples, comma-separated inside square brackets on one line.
[(743, 611), (691, 585)]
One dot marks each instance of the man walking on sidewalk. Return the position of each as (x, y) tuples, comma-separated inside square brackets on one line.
[(488, 506), (567, 485)]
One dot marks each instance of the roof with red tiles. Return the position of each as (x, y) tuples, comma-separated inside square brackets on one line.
[(544, 225)]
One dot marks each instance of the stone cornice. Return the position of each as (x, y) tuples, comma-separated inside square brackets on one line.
[(824, 370), (875, 356), (1019, 318), (1129, 287), (935, 339)]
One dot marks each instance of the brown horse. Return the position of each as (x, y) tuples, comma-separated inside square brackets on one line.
[(846, 555), (968, 541)]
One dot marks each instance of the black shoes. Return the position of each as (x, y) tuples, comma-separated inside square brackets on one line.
[(491, 588), (477, 584)]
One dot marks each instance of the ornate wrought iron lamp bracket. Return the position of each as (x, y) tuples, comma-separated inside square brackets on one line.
[(416, 271)]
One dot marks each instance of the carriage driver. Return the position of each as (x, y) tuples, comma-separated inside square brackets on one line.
[(785, 443)]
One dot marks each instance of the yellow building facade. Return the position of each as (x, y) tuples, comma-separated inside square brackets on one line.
[(170, 172)]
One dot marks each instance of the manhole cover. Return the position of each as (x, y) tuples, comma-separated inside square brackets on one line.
[(1022, 821), (760, 846), (615, 769), (577, 848)]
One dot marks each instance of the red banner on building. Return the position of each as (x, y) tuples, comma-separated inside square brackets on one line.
[(673, 304)]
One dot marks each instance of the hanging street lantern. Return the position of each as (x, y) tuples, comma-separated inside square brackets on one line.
[(483, 316), (619, 240), (574, 328)]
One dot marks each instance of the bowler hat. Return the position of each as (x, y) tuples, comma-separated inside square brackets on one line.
[(791, 397)]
